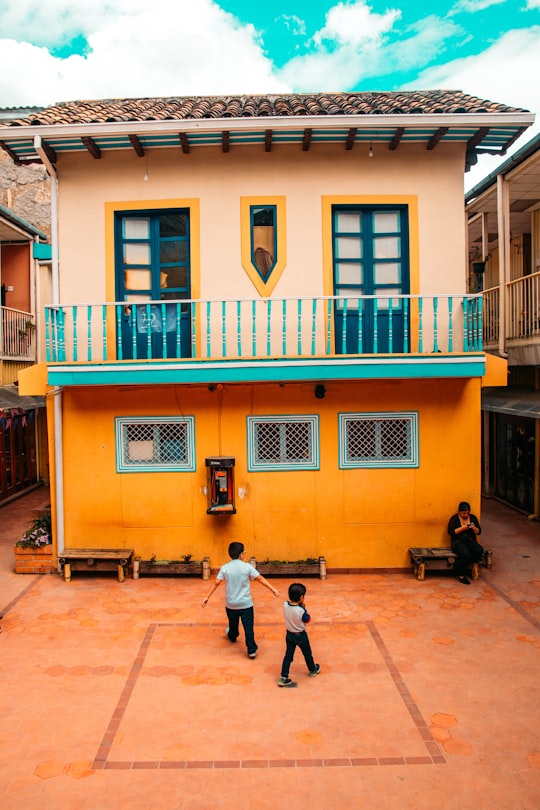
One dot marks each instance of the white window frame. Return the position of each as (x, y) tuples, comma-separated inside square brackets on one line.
[(412, 460), (122, 423), (310, 463)]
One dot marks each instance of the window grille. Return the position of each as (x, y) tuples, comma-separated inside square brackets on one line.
[(378, 440), (277, 443), (154, 444)]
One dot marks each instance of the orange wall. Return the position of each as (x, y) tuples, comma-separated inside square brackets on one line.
[(16, 274)]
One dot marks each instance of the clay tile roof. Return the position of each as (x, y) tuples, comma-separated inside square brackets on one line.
[(415, 102)]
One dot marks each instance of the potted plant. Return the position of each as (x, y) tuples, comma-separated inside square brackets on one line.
[(185, 566), (33, 552), (311, 566)]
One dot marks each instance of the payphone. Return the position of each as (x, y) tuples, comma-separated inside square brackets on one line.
[(220, 485)]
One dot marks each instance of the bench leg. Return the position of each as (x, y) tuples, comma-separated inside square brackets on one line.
[(120, 572), (474, 571), (67, 572), (421, 573)]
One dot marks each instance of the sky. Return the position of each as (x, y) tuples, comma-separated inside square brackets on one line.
[(64, 50)]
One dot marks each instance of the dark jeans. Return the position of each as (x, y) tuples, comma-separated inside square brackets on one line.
[(245, 615), (294, 640), (468, 552)]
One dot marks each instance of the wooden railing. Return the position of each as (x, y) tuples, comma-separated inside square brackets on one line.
[(522, 310), (267, 328), (17, 334)]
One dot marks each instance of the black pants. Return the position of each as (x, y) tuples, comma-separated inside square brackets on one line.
[(468, 552), (294, 640), (246, 616)]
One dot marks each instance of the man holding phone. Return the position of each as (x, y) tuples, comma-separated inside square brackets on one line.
[(463, 529)]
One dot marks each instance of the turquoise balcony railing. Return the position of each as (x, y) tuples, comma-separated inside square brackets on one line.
[(263, 328)]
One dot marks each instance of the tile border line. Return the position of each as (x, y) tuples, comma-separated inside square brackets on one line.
[(434, 755)]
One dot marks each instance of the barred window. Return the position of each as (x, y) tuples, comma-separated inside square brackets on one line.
[(283, 442), (153, 444), (378, 440)]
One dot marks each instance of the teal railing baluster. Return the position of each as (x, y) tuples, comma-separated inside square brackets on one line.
[(375, 326), (208, 329), (148, 331), (466, 341), (361, 314), (75, 337), (239, 328), (133, 318), (223, 329), (330, 305), (284, 328), (313, 325), (450, 324), (268, 328), (48, 341), (191, 313), (253, 330), (104, 331), (344, 328), (420, 325), (435, 324), (119, 342), (479, 327), (89, 348), (163, 311), (62, 336), (299, 327), (390, 327), (405, 303)]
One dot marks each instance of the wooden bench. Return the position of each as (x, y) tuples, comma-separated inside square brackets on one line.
[(95, 559), (440, 559)]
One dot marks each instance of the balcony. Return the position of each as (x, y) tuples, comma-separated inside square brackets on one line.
[(522, 319), (248, 340)]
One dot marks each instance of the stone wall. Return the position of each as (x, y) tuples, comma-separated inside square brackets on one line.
[(25, 190)]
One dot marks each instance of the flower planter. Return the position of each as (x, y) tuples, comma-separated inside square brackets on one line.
[(34, 560), (194, 568), (317, 568)]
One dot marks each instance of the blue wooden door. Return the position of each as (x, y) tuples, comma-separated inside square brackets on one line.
[(153, 278), (370, 258)]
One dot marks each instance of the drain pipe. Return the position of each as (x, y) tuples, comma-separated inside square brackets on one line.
[(503, 229), (43, 153)]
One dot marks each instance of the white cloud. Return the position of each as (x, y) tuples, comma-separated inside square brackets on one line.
[(293, 24), (474, 5), (356, 55), (506, 73), (533, 4), (136, 49), (355, 24)]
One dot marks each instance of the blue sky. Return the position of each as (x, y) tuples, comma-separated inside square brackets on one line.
[(58, 50)]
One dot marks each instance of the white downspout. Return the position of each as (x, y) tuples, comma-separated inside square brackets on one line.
[(58, 424), (503, 230)]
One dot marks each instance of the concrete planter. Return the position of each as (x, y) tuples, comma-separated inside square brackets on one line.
[(194, 568), (317, 568)]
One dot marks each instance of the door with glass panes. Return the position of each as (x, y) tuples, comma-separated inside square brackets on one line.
[(370, 258), (153, 278)]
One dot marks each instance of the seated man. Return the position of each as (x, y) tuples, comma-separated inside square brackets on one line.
[(463, 529)]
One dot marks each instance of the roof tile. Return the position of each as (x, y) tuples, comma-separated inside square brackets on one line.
[(415, 102)]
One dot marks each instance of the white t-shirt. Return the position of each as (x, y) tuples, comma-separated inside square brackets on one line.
[(238, 575)]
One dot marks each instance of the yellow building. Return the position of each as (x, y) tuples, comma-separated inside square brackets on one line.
[(261, 329)]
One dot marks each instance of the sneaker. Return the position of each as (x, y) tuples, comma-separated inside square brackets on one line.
[(464, 580), (232, 640), (252, 655), (315, 672), (287, 683)]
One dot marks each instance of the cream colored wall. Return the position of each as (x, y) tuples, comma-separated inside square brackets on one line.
[(356, 518), (219, 180)]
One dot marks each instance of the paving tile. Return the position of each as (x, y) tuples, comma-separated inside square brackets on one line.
[(109, 691)]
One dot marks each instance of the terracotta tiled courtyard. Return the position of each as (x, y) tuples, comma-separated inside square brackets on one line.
[(128, 695)]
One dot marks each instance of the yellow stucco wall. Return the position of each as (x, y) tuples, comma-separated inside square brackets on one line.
[(356, 518)]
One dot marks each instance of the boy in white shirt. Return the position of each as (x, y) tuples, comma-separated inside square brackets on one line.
[(296, 618), (237, 576)]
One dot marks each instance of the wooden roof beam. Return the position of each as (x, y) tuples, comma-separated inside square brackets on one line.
[(350, 138), (225, 141), (307, 139), (398, 135), (184, 143), (10, 152), (436, 137), (49, 151), (137, 145), (268, 140), (477, 138), (92, 147)]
